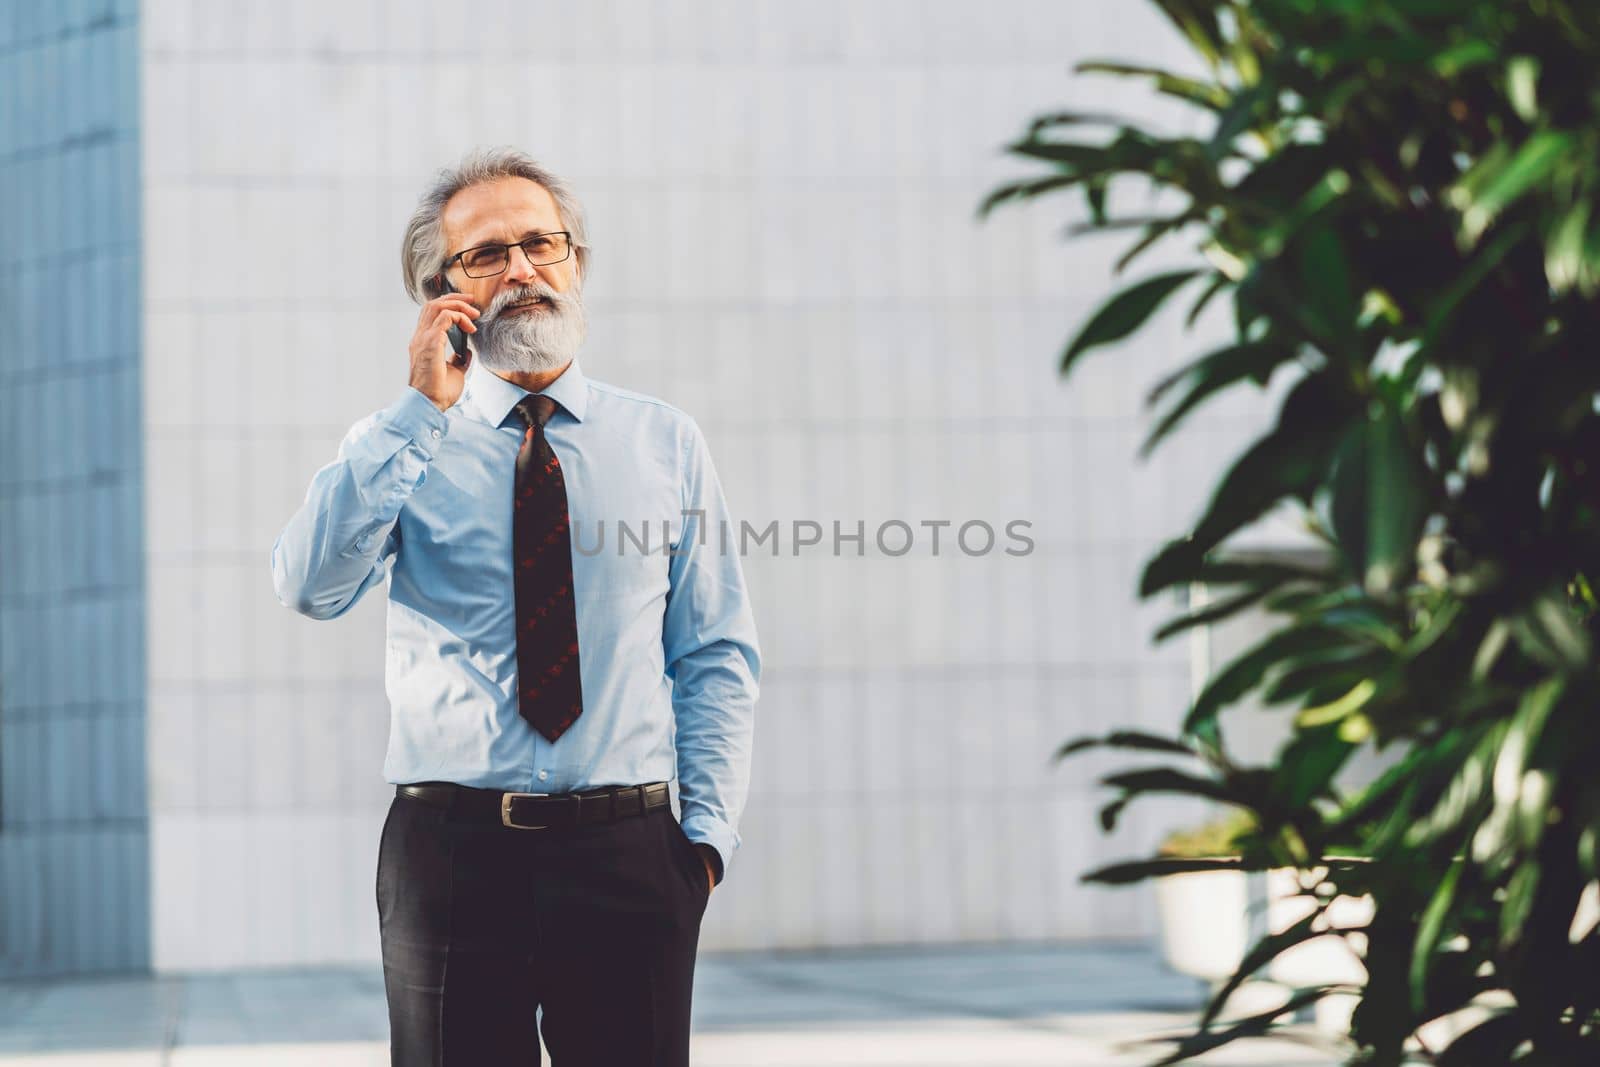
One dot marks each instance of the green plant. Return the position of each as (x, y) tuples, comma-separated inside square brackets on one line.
[(1398, 198), (1219, 836)]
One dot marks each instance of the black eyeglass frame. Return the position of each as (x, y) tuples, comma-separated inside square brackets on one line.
[(506, 249)]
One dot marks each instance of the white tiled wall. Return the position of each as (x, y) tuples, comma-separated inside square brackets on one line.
[(782, 202)]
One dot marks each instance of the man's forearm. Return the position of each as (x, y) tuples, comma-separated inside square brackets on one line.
[(714, 698)]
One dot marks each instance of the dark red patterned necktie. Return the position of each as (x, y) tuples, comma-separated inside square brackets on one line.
[(550, 690)]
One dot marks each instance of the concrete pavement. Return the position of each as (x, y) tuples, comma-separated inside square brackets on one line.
[(960, 1006)]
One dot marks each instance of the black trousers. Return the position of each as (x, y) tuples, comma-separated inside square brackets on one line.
[(482, 924)]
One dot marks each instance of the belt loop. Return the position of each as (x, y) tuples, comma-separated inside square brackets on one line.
[(625, 801)]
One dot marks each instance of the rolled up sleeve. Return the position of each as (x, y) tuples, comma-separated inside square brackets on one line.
[(336, 545)]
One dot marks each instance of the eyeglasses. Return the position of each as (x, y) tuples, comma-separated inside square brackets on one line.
[(485, 261)]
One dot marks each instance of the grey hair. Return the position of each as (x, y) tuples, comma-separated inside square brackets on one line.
[(422, 251)]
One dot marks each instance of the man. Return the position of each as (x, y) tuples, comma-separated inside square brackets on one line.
[(549, 666)]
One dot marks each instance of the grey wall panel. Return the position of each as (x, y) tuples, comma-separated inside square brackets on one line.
[(74, 826)]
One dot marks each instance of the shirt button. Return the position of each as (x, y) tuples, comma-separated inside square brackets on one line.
[(435, 435), (543, 775)]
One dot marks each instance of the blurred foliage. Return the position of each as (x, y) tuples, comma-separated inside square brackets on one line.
[(1398, 198)]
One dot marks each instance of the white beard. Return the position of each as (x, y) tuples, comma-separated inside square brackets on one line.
[(532, 341)]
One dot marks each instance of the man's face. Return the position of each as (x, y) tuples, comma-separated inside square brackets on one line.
[(533, 339)]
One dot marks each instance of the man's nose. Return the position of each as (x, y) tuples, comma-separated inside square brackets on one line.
[(519, 268)]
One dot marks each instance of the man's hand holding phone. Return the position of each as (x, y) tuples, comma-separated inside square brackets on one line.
[(438, 360)]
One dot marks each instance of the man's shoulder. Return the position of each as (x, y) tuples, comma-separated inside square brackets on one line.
[(618, 395)]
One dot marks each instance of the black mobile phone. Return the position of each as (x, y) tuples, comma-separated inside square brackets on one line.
[(458, 336)]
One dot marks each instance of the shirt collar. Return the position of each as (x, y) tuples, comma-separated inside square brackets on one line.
[(493, 397)]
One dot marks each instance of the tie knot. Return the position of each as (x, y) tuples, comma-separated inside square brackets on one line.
[(536, 409)]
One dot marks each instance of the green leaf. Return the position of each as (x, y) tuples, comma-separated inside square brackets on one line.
[(1254, 1026), (1262, 953), (1505, 831), (1291, 461), (1193, 90), (1561, 632), (1243, 568), (1428, 931), (1564, 261), (1197, 20), (1522, 737), (1481, 198), (1214, 612), (1247, 670), (1521, 891), (1465, 794), (1219, 281), (1181, 162), (1083, 157), (1210, 374), (1125, 313), (1307, 765), (1522, 87), (1330, 296), (1168, 780), (1094, 195), (1139, 870), (1495, 639), (1589, 279), (1152, 234), (1073, 118), (1025, 190), (1380, 501), (1419, 763), (1349, 703), (1442, 311), (1129, 739), (1308, 213), (1111, 812), (1441, 622), (1238, 117), (1324, 677), (1455, 60)]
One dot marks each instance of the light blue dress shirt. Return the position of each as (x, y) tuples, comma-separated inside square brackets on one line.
[(666, 636)]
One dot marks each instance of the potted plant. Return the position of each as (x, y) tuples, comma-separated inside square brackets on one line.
[(1396, 201), (1205, 919), (1204, 914)]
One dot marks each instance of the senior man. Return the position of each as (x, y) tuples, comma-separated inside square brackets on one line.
[(549, 668)]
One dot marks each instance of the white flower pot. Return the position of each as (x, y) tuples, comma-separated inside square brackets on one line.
[(1204, 922)]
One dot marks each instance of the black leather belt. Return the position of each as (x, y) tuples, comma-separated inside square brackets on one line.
[(540, 811)]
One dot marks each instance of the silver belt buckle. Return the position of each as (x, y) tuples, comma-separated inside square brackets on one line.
[(505, 811)]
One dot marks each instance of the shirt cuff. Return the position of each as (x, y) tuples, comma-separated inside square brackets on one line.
[(705, 829), (419, 418), (716, 861)]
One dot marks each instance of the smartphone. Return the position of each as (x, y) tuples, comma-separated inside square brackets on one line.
[(458, 336)]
